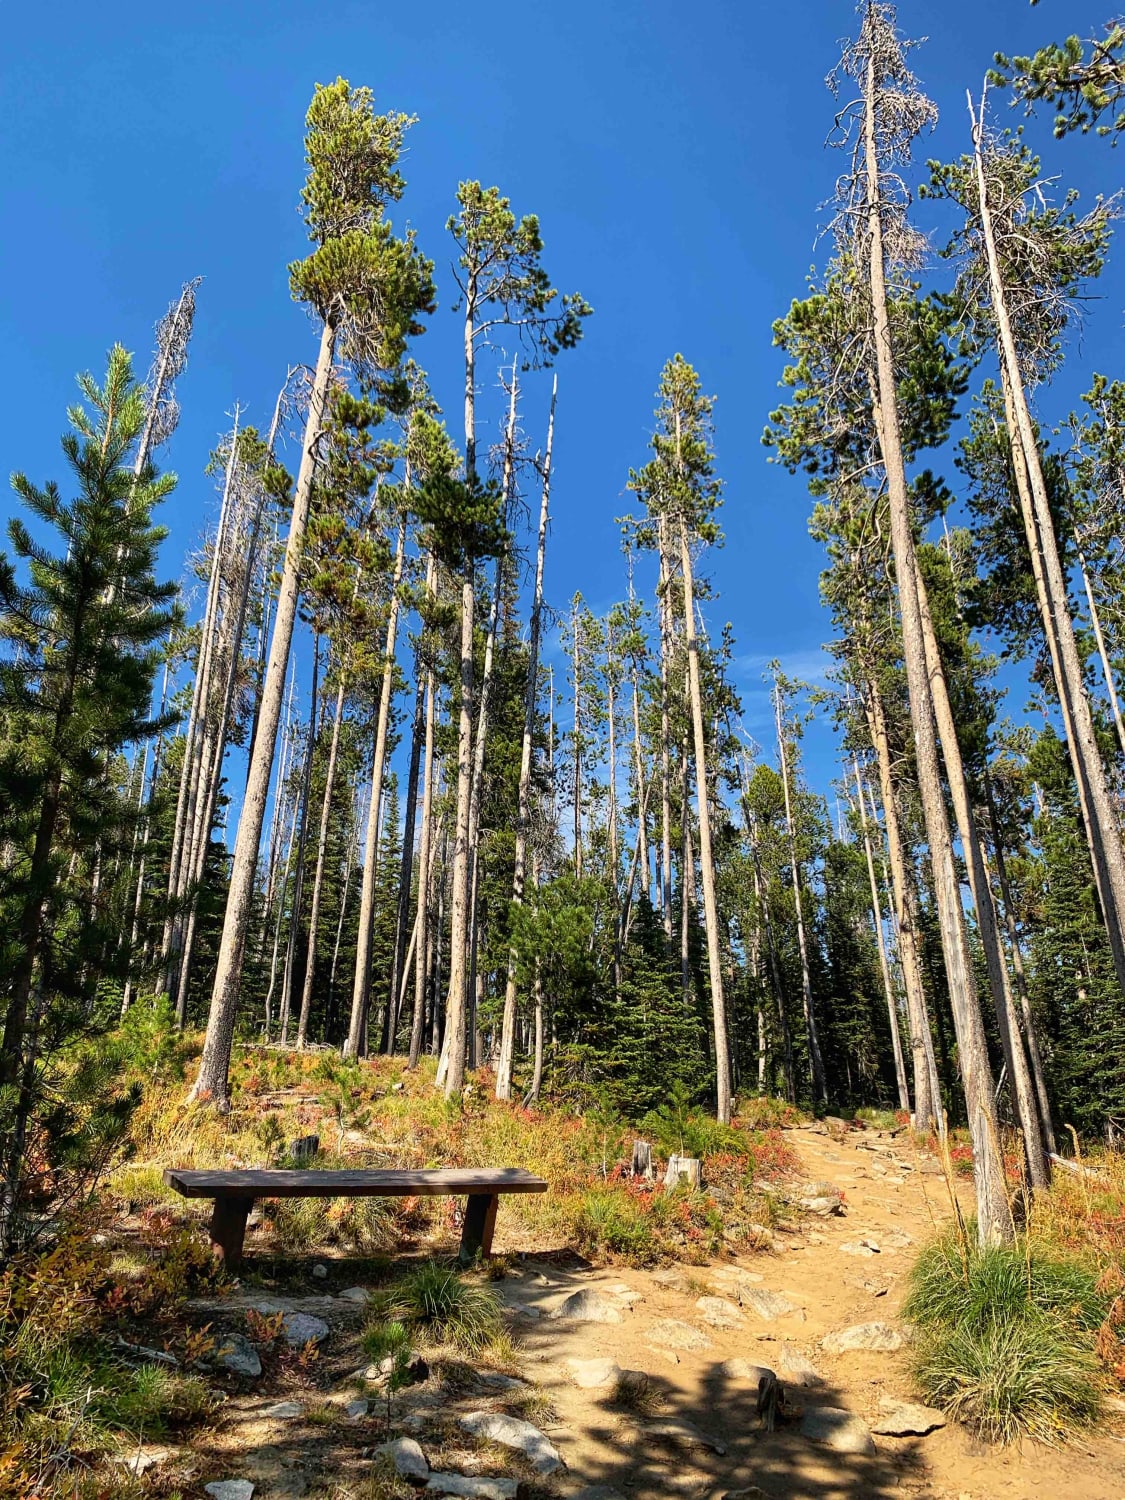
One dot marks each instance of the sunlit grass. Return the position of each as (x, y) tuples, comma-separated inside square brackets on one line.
[(1007, 1336)]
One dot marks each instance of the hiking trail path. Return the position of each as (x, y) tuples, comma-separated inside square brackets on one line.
[(691, 1427)]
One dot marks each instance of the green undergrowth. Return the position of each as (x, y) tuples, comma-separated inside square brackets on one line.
[(440, 1306), (376, 1112), (1008, 1336), (81, 1381), (883, 1119)]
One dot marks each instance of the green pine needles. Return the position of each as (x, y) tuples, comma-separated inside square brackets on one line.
[(84, 619), (360, 279)]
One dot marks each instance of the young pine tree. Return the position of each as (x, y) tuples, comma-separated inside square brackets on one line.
[(82, 625)]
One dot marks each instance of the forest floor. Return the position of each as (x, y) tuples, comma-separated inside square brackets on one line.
[(688, 1424)]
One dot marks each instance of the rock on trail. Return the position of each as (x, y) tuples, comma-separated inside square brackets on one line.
[(719, 1312), (512, 1432), (879, 1337), (671, 1333), (588, 1306), (589, 1374), (407, 1457), (838, 1429), (474, 1486), (766, 1304), (907, 1418)]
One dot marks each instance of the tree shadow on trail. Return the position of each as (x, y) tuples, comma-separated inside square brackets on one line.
[(633, 1458), (633, 1448)]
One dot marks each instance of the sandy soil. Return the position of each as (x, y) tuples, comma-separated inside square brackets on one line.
[(890, 1203), (835, 1271)]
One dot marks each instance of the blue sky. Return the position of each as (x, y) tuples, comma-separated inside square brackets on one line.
[(675, 158)]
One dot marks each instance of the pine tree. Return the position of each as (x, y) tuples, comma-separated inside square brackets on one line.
[(502, 283), (368, 289), (874, 399), (83, 628), (1082, 86), (1023, 263), (681, 493)]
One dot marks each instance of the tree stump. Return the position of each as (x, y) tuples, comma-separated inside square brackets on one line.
[(642, 1160), (687, 1169)]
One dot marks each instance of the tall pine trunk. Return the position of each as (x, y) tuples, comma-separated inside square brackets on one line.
[(212, 1081), (506, 1060), (400, 962), (194, 740), (1103, 829), (706, 855), (321, 859), (1015, 1058), (1034, 1056), (425, 879), (302, 847), (927, 1093), (452, 1068), (664, 603), (881, 941), (993, 1216), (1103, 652), (816, 1061), (356, 1043)]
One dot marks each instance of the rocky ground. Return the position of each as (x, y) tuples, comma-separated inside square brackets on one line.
[(632, 1385)]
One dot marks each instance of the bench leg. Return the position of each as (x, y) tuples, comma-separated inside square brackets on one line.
[(228, 1229), (480, 1221)]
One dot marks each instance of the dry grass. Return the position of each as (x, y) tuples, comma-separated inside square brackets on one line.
[(376, 1113)]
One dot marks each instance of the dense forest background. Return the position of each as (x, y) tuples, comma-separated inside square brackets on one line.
[(360, 776)]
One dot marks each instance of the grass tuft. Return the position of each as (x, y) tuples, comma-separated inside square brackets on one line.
[(639, 1393), (1007, 1337), (1004, 1379), (438, 1304), (973, 1288)]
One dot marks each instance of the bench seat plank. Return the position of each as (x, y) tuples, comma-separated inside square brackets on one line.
[(310, 1183)]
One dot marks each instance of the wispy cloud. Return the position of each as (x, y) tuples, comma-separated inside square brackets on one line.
[(806, 663), (809, 664)]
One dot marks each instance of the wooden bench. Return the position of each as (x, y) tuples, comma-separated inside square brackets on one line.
[(234, 1193)]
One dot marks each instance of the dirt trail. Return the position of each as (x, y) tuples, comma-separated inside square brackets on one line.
[(891, 1203), (701, 1437)]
